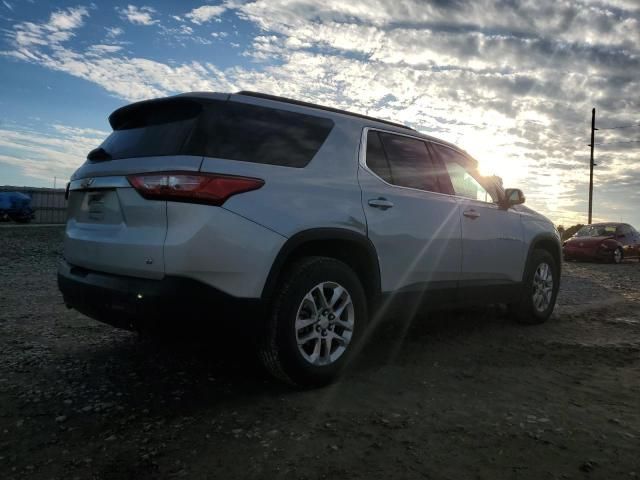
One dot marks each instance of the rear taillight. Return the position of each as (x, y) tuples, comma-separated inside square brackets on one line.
[(211, 189)]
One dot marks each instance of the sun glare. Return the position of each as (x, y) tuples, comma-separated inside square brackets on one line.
[(497, 155)]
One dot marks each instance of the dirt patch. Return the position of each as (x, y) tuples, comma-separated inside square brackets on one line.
[(456, 395)]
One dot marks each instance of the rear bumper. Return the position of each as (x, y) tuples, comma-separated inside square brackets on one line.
[(138, 304)]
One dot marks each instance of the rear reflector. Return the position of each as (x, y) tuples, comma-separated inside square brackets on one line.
[(210, 189)]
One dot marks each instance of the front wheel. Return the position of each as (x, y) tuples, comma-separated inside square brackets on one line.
[(617, 256), (540, 289), (317, 320)]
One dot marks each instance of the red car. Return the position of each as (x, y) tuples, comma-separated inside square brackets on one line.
[(611, 242)]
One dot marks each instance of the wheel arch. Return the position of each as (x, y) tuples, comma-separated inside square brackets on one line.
[(548, 242), (352, 248), (612, 243)]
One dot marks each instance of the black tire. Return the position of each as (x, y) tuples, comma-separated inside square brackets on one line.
[(617, 259), (525, 311), (278, 347)]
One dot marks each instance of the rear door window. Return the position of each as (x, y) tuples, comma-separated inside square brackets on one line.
[(221, 129), (376, 158), (409, 162), (624, 230)]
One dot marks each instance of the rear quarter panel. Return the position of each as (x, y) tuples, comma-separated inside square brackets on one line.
[(219, 248), (324, 194)]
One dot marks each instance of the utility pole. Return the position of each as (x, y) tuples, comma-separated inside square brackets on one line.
[(591, 164)]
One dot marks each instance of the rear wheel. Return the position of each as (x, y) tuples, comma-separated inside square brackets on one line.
[(316, 322), (541, 284), (617, 256)]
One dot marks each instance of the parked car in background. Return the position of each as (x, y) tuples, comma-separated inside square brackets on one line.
[(295, 221), (15, 206), (612, 242)]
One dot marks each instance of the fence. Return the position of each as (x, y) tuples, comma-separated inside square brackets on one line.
[(49, 203)]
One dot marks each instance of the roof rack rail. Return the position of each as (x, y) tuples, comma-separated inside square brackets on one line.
[(266, 96)]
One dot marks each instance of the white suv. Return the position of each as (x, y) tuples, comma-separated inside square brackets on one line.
[(302, 220)]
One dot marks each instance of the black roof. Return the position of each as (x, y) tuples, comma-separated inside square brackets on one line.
[(319, 107)]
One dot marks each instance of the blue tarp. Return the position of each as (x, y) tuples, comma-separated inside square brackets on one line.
[(14, 201)]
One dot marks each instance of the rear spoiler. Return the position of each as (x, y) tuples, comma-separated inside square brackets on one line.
[(122, 116)]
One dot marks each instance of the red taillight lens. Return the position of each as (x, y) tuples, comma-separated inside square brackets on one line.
[(211, 189)]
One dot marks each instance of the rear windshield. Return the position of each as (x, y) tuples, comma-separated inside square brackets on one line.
[(219, 129)]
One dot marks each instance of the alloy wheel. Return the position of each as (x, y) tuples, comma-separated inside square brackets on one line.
[(324, 323), (617, 255), (542, 287)]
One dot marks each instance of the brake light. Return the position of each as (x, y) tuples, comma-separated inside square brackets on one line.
[(211, 189)]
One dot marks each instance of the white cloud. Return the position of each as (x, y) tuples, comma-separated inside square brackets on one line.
[(89, 133), (8, 5), (206, 13), (103, 49), (58, 29), (68, 19), (182, 35), (138, 15), (513, 84), (45, 155), (113, 32)]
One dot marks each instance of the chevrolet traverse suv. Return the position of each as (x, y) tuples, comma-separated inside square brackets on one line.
[(300, 221)]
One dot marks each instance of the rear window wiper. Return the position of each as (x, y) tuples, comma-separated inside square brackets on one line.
[(99, 155)]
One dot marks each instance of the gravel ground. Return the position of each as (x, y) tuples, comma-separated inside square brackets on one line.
[(457, 395)]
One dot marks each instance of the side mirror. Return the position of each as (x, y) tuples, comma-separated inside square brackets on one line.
[(513, 196)]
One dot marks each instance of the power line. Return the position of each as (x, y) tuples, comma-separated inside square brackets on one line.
[(617, 143), (621, 126), (592, 144)]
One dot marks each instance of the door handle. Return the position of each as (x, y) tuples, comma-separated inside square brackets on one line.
[(381, 203), (471, 213)]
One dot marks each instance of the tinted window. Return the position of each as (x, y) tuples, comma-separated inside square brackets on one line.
[(409, 162), (376, 159), (263, 135), (151, 129), (227, 130), (596, 231), (462, 175)]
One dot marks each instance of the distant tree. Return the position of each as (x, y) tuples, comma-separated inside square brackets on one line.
[(570, 232)]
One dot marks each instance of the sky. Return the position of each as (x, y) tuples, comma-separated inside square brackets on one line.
[(512, 82)]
